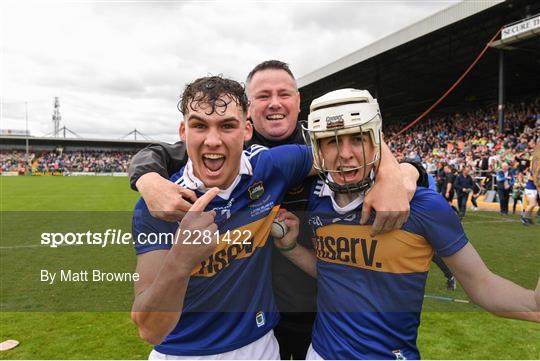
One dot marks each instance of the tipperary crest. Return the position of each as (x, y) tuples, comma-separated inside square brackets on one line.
[(259, 318), (256, 190), (398, 355)]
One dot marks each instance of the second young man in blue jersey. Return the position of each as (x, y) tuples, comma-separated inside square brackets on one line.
[(370, 289)]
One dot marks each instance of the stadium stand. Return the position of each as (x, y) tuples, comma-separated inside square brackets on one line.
[(409, 70), (60, 161), (449, 139), (66, 156), (472, 139), (436, 82)]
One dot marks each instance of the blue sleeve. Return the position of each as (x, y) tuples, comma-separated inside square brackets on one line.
[(433, 218), (292, 161), (500, 176), (149, 233)]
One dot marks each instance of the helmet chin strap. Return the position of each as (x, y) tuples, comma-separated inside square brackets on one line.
[(359, 187)]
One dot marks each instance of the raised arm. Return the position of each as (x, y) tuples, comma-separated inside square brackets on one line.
[(161, 158), (490, 291), (149, 172), (164, 275)]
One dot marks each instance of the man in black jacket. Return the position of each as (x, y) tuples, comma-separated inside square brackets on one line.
[(274, 108), (449, 178), (440, 178)]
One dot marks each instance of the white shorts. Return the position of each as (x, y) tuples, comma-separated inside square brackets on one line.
[(265, 348), (531, 193), (312, 354)]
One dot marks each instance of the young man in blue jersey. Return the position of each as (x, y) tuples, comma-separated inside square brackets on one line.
[(206, 292), (531, 193), (370, 289)]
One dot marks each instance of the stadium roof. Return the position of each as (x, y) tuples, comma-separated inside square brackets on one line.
[(408, 71), (76, 140), (428, 25)]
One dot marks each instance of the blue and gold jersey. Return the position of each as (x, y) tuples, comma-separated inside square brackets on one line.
[(370, 289), (530, 180), (229, 301)]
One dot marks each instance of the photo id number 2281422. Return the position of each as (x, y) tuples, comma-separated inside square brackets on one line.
[(206, 236)]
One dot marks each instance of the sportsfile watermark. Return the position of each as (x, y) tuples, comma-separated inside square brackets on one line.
[(87, 261), (103, 239), (112, 237)]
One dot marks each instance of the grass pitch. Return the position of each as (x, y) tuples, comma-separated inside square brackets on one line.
[(97, 326)]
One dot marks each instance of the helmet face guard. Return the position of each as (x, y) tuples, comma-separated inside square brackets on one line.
[(344, 112)]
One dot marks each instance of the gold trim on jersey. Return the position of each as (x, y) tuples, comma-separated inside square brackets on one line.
[(237, 244), (393, 252)]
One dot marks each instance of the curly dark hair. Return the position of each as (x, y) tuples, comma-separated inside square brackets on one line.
[(269, 64), (215, 91)]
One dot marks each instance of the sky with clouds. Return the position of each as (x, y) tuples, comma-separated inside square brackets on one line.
[(121, 65)]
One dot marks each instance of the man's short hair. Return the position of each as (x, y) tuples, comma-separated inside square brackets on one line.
[(216, 91), (270, 65)]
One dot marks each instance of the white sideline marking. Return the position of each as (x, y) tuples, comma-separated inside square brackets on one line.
[(482, 222), (22, 246), (492, 217), (41, 245)]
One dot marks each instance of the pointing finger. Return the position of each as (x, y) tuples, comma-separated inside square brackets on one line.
[(201, 203)]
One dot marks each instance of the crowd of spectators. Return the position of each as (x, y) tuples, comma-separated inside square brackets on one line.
[(66, 161), (466, 153), (471, 140), (458, 140)]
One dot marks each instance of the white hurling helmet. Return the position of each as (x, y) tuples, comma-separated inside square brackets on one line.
[(340, 112)]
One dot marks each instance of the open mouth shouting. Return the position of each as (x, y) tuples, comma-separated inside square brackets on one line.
[(213, 163), (347, 174)]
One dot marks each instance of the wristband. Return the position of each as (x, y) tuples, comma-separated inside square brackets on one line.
[(288, 248)]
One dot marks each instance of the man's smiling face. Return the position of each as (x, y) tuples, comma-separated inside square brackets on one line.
[(274, 103)]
